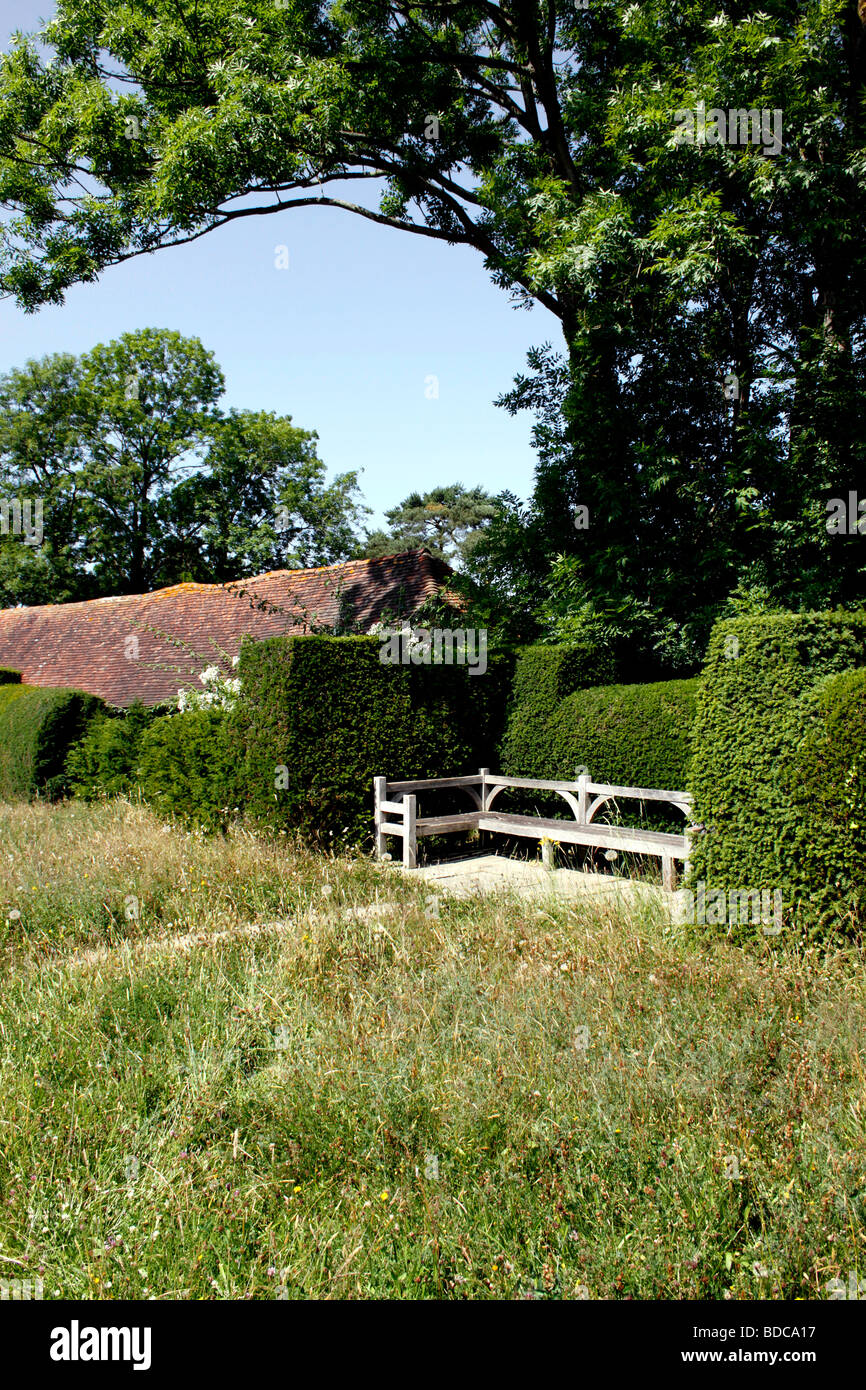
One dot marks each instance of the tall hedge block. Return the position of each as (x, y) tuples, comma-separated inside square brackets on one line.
[(762, 736), (824, 853), (38, 727), (321, 716)]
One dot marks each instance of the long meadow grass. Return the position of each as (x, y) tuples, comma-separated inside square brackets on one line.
[(235, 1069)]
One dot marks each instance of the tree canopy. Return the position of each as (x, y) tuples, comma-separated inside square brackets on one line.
[(447, 520), (711, 292), (144, 481)]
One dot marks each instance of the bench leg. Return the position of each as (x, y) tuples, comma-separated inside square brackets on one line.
[(410, 839), (669, 873), (380, 788)]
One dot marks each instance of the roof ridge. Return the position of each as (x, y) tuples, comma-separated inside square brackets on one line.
[(199, 586)]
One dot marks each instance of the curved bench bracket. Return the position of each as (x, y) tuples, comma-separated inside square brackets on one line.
[(572, 800)]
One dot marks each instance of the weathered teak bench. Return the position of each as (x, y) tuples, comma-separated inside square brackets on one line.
[(396, 814)]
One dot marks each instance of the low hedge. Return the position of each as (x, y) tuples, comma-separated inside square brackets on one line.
[(8, 677), (543, 677), (105, 761), (321, 716), (633, 735), (188, 768), (765, 705), (38, 727)]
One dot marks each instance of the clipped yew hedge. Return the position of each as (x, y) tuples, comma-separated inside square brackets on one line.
[(187, 768), (321, 716), (633, 735), (318, 718), (777, 772), (105, 761), (543, 677), (824, 854), (38, 727)]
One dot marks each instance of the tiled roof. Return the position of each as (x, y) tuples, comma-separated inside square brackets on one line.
[(146, 646)]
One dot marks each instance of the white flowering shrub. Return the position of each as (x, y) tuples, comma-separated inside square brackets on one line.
[(402, 630), (219, 690)]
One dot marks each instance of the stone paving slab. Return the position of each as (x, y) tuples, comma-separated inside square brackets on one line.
[(491, 873)]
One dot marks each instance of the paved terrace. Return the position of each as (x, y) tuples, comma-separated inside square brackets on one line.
[(492, 873)]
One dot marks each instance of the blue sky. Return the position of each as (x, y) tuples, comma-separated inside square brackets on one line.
[(345, 340)]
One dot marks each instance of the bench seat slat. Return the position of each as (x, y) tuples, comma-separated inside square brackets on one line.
[(534, 827), (604, 836)]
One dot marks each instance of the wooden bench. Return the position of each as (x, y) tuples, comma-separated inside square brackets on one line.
[(396, 813)]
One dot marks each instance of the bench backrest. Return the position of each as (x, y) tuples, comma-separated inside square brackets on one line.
[(583, 796)]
